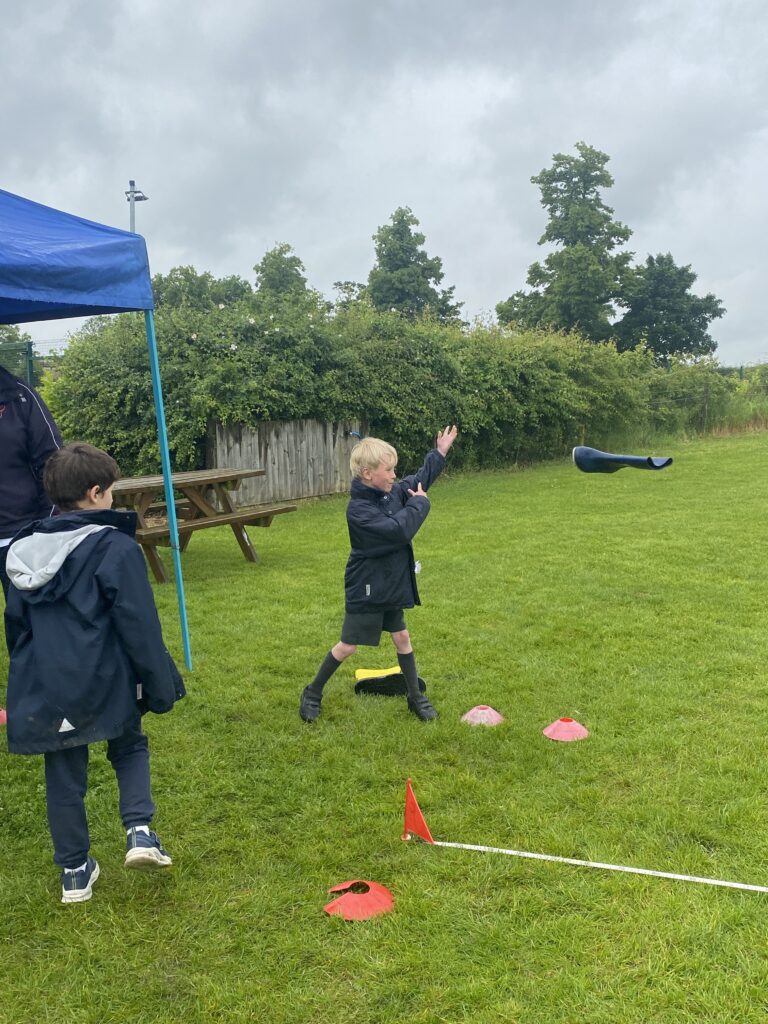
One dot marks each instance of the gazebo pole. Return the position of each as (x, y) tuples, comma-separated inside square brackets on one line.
[(165, 460)]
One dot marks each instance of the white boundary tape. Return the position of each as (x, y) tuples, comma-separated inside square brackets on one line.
[(606, 867)]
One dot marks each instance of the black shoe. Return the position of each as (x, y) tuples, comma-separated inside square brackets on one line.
[(421, 707), (309, 706), (386, 686)]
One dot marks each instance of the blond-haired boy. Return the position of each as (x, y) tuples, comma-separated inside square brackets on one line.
[(383, 517)]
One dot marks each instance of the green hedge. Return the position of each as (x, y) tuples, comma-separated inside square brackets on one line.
[(517, 397)]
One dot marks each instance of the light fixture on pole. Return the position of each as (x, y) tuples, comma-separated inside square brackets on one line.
[(134, 195)]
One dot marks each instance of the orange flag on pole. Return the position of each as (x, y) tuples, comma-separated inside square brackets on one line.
[(414, 819)]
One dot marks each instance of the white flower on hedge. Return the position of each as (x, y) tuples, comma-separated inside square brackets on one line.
[(251, 320), (193, 337), (221, 305)]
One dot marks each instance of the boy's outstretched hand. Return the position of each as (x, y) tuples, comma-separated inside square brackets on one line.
[(445, 439), (419, 492)]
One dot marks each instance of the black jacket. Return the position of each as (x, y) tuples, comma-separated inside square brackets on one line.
[(83, 633), (28, 436), (380, 570)]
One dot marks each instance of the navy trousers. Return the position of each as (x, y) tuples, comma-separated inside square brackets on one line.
[(66, 783)]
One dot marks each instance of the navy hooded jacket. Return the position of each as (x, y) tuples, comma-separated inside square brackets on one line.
[(28, 436), (381, 571), (86, 648)]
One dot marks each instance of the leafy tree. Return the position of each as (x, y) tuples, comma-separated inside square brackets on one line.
[(348, 292), (183, 286), (664, 314), (280, 272), (11, 334), (577, 284), (404, 277)]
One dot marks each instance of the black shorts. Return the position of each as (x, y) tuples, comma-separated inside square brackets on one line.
[(365, 628)]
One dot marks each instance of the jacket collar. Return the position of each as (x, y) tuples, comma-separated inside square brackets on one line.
[(361, 490)]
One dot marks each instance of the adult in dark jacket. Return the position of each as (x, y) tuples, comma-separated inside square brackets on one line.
[(383, 517), (87, 657), (28, 436)]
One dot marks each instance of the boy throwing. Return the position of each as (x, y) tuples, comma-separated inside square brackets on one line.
[(383, 517)]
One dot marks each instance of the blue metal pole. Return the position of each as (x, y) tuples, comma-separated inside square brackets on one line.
[(166, 464)]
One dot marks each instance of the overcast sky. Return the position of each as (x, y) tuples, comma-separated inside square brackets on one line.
[(251, 122)]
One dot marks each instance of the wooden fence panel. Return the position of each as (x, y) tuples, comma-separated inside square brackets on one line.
[(302, 458)]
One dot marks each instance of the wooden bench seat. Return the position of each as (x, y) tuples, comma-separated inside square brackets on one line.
[(242, 517)]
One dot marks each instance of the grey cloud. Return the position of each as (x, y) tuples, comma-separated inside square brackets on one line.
[(251, 122)]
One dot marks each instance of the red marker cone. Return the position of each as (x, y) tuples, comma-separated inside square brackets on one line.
[(414, 819), (566, 729), (3, 717), (361, 899)]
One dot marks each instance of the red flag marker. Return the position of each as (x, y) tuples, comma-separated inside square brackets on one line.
[(414, 819)]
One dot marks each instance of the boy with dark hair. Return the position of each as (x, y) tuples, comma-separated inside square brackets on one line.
[(87, 658), (380, 579)]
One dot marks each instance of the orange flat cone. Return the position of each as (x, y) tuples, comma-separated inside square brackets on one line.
[(414, 819), (566, 730), (361, 899)]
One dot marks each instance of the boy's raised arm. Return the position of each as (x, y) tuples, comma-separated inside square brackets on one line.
[(434, 463)]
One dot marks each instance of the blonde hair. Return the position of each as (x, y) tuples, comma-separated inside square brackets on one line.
[(370, 453)]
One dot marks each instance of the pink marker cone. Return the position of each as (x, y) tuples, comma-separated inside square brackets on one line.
[(3, 717), (566, 730), (482, 714)]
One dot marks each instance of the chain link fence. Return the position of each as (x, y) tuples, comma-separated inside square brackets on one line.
[(17, 358)]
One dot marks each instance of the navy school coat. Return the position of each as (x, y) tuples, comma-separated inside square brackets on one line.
[(380, 571), (83, 633), (28, 436)]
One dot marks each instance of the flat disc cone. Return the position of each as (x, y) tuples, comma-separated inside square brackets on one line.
[(566, 730)]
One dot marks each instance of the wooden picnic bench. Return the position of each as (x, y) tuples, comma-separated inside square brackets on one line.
[(203, 490)]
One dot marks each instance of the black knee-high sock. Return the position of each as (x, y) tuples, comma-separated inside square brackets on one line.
[(324, 673), (407, 663)]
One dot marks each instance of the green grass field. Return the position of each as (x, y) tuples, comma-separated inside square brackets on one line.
[(635, 603)]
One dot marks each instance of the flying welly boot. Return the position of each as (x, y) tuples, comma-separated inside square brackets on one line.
[(590, 460)]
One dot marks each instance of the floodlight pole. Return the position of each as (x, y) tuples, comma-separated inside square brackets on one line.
[(134, 195)]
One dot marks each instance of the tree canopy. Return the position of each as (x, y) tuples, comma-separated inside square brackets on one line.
[(664, 314), (404, 277), (587, 282), (280, 272)]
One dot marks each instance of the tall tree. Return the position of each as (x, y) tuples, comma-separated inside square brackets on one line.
[(578, 284), (280, 271), (404, 277), (664, 314)]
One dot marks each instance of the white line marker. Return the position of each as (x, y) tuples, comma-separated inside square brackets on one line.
[(605, 867)]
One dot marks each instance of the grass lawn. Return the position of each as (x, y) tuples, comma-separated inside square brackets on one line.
[(635, 603)]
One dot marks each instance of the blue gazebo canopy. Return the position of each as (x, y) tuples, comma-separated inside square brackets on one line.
[(53, 265)]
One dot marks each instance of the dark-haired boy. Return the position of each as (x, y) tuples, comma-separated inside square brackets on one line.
[(86, 659)]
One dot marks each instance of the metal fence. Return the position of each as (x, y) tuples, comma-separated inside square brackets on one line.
[(17, 358)]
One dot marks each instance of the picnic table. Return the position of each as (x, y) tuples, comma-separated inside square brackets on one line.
[(207, 502)]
